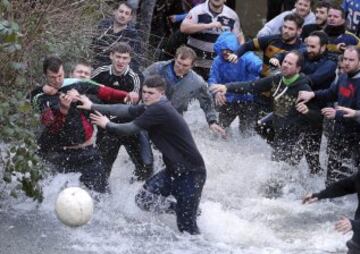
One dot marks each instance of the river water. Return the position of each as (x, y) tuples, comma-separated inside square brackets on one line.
[(250, 205)]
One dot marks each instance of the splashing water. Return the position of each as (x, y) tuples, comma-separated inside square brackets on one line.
[(249, 205)]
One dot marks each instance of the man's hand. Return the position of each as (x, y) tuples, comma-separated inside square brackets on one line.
[(132, 97), (305, 96), (341, 47), (74, 94), (86, 102), (220, 99), (329, 113), (215, 24), (309, 199), (65, 103), (99, 119), (232, 58), (218, 129), (343, 225), (274, 62), (348, 112), (218, 89), (302, 108)]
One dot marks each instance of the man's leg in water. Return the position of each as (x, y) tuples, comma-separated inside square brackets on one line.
[(312, 142), (152, 197), (143, 162), (227, 114), (187, 190), (108, 145)]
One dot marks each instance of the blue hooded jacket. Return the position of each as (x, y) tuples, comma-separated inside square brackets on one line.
[(247, 68)]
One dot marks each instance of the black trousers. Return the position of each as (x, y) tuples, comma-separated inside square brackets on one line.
[(86, 161), (109, 145), (186, 188), (343, 160), (246, 111)]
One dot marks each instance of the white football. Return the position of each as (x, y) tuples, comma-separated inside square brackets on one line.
[(74, 206)]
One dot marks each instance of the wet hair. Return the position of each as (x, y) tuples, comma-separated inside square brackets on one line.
[(338, 8), (323, 4), (127, 5), (155, 81), (122, 47), (185, 52), (298, 20), (300, 60), (52, 63), (324, 39), (354, 48)]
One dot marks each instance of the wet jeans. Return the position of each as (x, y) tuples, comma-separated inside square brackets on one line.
[(186, 188)]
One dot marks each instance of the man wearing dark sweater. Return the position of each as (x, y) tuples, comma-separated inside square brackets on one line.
[(343, 145), (290, 121), (346, 186), (185, 173)]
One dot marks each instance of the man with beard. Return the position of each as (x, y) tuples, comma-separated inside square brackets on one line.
[(302, 8), (271, 45), (320, 71), (335, 28), (289, 120), (343, 145), (321, 14)]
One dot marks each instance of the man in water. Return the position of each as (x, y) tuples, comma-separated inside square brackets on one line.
[(185, 173)]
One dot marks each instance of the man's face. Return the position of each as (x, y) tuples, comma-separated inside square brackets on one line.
[(289, 65), (120, 61), (321, 15), (81, 71), (123, 15), (289, 31), (334, 18), (182, 66), (350, 61), (217, 3), (302, 7), (55, 79), (226, 53), (151, 95), (313, 47)]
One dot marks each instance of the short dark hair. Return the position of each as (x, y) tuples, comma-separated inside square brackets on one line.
[(81, 62), (352, 47), (300, 60), (324, 39), (323, 4), (311, 2), (185, 52), (298, 20), (339, 8), (155, 81), (52, 63), (127, 5), (121, 47)]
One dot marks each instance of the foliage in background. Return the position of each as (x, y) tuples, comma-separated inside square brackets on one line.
[(30, 30)]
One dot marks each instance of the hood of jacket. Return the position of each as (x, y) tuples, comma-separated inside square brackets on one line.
[(226, 40)]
